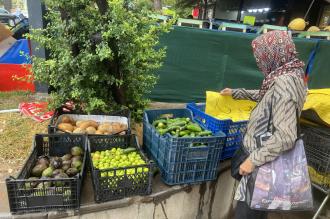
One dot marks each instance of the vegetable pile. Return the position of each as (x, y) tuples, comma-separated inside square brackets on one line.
[(47, 167), (180, 127), (118, 158), (91, 127)]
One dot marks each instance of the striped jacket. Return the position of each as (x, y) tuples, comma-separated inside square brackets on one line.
[(284, 97)]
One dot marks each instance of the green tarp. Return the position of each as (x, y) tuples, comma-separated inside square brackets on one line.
[(199, 60)]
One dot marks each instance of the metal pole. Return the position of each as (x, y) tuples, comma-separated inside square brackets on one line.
[(321, 207), (310, 6), (36, 10), (239, 11)]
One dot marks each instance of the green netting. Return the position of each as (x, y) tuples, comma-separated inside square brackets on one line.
[(199, 60)]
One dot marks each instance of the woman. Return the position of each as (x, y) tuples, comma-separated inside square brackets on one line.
[(282, 93)]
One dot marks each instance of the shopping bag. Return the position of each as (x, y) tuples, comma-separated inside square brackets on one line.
[(282, 184)]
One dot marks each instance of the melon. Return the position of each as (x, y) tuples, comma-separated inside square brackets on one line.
[(297, 24), (313, 29), (327, 28)]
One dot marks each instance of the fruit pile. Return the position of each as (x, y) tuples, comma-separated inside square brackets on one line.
[(47, 167), (180, 127), (118, 158), (91, 127)]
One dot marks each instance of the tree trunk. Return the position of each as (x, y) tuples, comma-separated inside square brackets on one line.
[(158, 5)]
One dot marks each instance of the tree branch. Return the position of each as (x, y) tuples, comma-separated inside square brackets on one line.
[(103, 6)]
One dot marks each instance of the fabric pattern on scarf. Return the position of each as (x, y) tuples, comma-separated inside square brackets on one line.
[(275, 54)]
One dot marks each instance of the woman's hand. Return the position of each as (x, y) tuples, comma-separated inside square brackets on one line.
[(246, 167), (226, 92)]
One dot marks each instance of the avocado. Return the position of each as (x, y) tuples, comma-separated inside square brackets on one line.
[(45, 184), (66, 167), (38, 169), (66, 157), (43, 160), (48, 172), (75, 158), (76, 164), (60, 176), (56, 162), (57, 171), (29, 185), (76, 151), (72, 171), (66, 162)]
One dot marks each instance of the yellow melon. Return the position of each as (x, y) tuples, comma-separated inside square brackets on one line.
[(297, 24), (313, 29), (327, 28)]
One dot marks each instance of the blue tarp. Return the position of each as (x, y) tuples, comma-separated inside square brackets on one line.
[(17, 54)]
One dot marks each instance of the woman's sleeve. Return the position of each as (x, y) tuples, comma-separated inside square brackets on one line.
[(243, 94), (284, 125)]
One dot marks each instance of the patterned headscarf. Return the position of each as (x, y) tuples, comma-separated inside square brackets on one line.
[(275, 55)]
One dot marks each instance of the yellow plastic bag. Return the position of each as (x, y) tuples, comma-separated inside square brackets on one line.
[(318, 100), (225, 107)]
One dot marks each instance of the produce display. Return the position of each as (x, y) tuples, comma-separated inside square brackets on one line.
[(179, 127), (46, 167), (91, 127), (118, 158), (322, 179)]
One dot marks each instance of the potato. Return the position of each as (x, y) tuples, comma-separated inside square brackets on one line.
[(90, 130), (105, 127), (122, 133), (98, 132), (65, 127), (84, 125), (93, 123), (66, 119), (78, 123), (118, 127), (88, 123), (79, 131)]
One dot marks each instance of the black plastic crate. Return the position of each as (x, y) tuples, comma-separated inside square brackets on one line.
[(65, 196), (116, 183), (52, 124), (317, 148)]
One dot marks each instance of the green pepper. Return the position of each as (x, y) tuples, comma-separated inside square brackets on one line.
[(192, 135), (183, 133)]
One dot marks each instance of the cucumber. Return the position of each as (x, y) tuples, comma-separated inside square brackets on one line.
[(183, 133), (129, 150), (178, 123), (205, 133), (194, 128), (172, 128), (162, 131), (156, 122)]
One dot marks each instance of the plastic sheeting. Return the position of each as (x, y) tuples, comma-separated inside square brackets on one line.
[(200, 59), (17, 54)]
